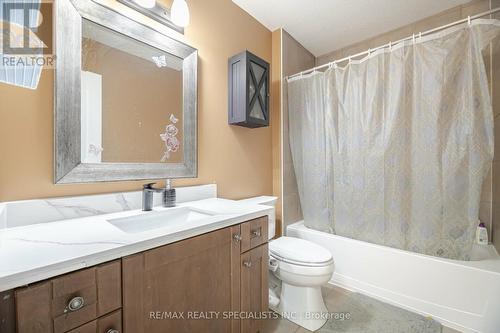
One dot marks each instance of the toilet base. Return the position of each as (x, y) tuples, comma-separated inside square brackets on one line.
[(303, 305)]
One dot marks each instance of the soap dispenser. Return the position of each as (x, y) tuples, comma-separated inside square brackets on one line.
[(169, 196), (482, 234)]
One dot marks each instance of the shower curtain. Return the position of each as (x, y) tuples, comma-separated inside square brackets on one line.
[(393, 149)]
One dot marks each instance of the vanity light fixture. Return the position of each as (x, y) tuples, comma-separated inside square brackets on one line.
[(146, 3), (156, 11), (180, 13)]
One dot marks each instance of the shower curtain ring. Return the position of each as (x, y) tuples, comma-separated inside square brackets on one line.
[(390, 46), (468, 20), (420, 35), (413, 38)]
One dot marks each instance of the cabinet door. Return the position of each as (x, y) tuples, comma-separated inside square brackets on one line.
[(248, 90), (165, 287), (254, 287), (258, 90)]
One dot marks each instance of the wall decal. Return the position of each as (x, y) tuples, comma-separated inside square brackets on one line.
[(172, 144)]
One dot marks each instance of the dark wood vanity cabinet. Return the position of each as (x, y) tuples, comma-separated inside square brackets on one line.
[(201, 284), (162, 285)]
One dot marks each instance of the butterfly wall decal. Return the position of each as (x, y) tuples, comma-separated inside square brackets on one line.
[(160, 61)]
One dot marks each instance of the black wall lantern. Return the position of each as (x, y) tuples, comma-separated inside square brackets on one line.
[(248, 90)]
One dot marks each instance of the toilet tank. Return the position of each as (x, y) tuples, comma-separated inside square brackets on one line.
[(266, 201)]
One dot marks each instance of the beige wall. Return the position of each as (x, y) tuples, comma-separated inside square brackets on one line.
[(238, 159), (295, 59), (276, 90)]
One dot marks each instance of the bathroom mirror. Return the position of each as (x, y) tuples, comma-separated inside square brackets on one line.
[(126, 98)]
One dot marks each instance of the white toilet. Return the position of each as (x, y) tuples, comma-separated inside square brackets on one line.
[(302, 267)]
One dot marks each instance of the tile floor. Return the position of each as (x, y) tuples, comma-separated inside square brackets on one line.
[(330, 294)]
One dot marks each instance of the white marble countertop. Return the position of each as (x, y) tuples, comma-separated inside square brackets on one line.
[(35, 252)]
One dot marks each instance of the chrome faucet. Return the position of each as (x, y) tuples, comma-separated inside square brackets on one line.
[(147, 195), (168, 195)]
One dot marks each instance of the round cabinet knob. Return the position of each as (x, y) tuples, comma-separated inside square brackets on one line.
[(76, 303), (247, 264), (256, 233), (237, 237), (112, 331)]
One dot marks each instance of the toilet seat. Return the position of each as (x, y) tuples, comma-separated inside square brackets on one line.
[(309, 272), (299, 252), (299, 263)]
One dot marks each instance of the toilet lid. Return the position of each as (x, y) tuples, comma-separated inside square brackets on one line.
[(299, 250)]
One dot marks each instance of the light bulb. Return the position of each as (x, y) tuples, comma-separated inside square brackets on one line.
[(146, 3), (180, 13)]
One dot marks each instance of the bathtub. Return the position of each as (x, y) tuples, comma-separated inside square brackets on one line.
[(464, 295)]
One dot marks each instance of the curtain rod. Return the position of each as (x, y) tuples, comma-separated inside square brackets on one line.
[(390, 44)]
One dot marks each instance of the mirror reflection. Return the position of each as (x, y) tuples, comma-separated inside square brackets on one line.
[(131, 100)]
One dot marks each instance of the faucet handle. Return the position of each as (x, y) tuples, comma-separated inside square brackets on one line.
[(148, 186)]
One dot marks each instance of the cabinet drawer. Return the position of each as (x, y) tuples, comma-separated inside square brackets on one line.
[(46, 306), (87, 328), (253, 233), (79, 285), (111, 323)]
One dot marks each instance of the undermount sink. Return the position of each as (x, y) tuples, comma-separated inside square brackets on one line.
[(172, 218)]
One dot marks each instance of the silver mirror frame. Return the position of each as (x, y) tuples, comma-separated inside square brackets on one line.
[(68, 167)]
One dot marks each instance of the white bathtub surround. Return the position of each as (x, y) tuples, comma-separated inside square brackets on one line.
[(36, 251), (463, 295), (401, 139), (20, 213)]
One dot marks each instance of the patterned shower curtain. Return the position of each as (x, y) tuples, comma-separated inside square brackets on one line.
[(393, 149)]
